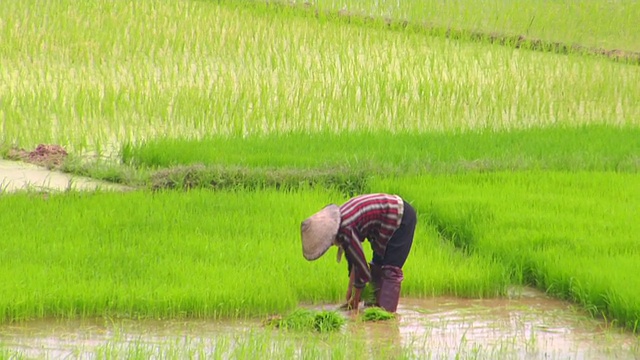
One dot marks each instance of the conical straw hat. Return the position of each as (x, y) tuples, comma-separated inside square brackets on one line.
[(319, 230)]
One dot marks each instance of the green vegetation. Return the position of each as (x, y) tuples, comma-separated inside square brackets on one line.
[(95, 76), (523, 165), (571, 234), (179, 254), (376, 314), (195, 254), (307, 320), (590, 23), (553, 148), (237, 345)]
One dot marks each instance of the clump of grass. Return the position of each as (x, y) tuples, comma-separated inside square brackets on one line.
[(299, 319), (325, 321), (219, 177), (376, 314), (306, 320)]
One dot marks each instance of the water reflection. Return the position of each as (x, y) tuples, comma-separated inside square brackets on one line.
[(529, 325)]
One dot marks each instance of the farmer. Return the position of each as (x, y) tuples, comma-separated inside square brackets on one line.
[(387, 221)]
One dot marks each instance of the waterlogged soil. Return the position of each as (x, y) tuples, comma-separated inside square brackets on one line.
[(528, 325)]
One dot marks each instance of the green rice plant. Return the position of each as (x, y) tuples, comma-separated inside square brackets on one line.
[(376, 314), (325, 321), (10, 354), (571, 234), (426, 336), (224, 254), (436, 267), (308, 320), (92, 77), (608, 25), (382, 152), (299, 319), (199, 253)]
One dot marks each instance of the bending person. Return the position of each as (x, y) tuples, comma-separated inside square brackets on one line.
[(386, 221)]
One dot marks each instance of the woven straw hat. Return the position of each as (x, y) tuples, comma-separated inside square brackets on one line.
[(319, 231)]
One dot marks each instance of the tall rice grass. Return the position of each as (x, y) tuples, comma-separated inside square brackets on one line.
[(591, 23), (92, 76)]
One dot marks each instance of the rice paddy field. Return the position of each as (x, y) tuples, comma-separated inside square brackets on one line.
[(512, 127)]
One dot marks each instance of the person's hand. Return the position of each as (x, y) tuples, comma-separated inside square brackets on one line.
[(352, 279), (354, 301)]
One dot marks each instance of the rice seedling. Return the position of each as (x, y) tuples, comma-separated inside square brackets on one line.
[(308, 320), (376, 314), (450, 328), (271, 344), (325, 321)]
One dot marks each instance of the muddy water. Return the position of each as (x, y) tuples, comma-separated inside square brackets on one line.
[(529, 325)]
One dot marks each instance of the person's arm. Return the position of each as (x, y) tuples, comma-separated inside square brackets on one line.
[(359, 273), (353, 295), (358, 266), (349, 289)]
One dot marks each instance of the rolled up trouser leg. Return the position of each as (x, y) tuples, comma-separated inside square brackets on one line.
[(392, 277), (376, 281)]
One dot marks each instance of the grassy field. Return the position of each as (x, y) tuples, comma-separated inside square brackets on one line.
[(591, 23), (575, 232), (523, 164), (94, 76), (553, 148), (173, 254)]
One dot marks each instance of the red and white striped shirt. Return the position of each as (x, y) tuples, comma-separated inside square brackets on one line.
[(374, 217)]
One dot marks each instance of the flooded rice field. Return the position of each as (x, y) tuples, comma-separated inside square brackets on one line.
[(528, 325)]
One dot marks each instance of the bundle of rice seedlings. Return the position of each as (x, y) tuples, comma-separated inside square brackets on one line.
[(376, 314), (304, 320), (326, 321)]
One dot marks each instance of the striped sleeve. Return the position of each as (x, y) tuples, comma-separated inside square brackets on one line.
[(357, 260)]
